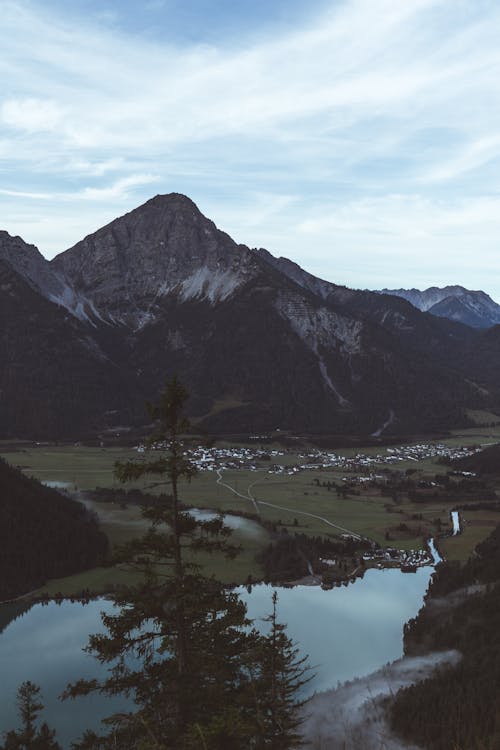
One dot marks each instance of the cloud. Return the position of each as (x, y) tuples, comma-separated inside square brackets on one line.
[(118, 189), (21, 194), (348, 65), (31, 114), (473, 156), (371, 128)]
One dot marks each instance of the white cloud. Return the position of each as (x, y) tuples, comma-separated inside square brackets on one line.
[(31, 114), (473, 156), (118, 189), (368, 131), (96, 168), (25, 194)]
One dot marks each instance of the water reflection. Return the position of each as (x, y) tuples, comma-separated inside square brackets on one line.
[(351, 630), (347, 632)]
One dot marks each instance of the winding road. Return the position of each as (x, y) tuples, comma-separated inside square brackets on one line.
[(256, 503)]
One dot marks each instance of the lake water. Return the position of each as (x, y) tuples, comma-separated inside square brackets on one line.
[(348, 632)]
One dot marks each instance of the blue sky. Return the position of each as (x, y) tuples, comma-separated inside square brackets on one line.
[(361, 138)]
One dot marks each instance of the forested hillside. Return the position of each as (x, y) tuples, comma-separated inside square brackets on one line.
[(457, 709), (486, 461), (43, 534)]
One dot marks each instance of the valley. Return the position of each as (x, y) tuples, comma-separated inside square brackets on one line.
[(350, 631), (348, 439), (395, 496)]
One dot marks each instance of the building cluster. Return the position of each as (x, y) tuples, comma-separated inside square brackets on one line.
[(259, 459), (407, 560)]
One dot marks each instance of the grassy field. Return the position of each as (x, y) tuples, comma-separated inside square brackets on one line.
[(476, 526), (79, 467), (83, 468), (304, 505)]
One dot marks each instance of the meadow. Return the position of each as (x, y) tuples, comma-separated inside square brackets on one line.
[(301, 502)]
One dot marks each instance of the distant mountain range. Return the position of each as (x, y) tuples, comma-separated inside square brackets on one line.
[(260, 343), (475, 309)]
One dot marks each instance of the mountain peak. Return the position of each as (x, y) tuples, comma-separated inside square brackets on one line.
[(165, 246), (455, 302), (173, 199), (27, 260)]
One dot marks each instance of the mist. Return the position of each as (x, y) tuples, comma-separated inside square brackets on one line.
[(352, 716)]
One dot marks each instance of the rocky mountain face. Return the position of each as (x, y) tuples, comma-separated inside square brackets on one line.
[(473, 308), (166, 247), (260, 343)]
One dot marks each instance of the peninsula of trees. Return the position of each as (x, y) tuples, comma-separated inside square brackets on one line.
[(43, 534)]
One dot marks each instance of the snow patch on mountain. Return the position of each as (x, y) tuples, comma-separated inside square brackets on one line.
[(79, 306), (215, 286)]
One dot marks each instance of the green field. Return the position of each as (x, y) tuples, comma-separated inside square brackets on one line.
[(299, 497), (476, 526)]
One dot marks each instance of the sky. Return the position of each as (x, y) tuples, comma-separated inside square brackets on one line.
[(360, 138)]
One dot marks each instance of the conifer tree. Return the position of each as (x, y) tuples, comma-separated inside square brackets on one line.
[(29, 737), (178, 642), (281, 674)]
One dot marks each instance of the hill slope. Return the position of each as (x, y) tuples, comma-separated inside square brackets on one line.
[(43, 534)]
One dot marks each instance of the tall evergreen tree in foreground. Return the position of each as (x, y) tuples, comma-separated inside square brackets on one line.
[(281, 675), (180, 645)]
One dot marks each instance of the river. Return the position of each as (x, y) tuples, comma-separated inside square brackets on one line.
[(455, 519), (347, 632)]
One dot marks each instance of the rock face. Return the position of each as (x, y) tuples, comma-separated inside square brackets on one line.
[(473, 308), (259, 342), (164, 247), (30, 264)]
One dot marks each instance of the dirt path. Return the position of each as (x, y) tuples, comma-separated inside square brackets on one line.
[(256, 503), (247, 497)]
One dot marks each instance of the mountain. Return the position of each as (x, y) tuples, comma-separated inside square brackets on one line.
[(164, 248), (259, 342), (475, 309), (55, 379)]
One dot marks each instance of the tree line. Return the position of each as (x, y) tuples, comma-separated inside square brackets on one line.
[(288, 556), (43, 534), (457, 708)]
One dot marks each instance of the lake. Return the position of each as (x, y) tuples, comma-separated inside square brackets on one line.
[(347, 632)]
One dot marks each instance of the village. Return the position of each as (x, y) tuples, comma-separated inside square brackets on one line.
[(252, 459), (360, 468)]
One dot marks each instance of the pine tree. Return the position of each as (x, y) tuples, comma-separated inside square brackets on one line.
[(178, 643), (281, 674), (28, 737)]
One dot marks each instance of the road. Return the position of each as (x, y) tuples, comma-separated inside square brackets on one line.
[(256, 503)]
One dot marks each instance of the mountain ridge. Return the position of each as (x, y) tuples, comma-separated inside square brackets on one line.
[(473, 308), (259, 342)]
